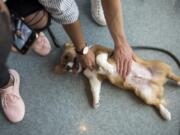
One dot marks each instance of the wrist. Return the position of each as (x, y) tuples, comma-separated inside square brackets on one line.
[(80, 46), (120, 42), (83, 51)]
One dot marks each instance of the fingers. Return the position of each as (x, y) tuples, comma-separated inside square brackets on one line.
[(124, 56), (129, 67), (121, 67), (91, 64), (125, 66), (86, 63), (88, 60), (91, 61), (118, 66)]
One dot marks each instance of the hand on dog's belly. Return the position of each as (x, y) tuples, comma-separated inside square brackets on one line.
[(137, 71)]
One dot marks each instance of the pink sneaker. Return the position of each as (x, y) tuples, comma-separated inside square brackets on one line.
[(42, 45), (12, 103)]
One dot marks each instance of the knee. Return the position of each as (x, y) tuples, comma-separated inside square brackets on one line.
[(38, 20)]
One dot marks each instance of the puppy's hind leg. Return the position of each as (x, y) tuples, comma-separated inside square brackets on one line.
[(95, 84), (159, 104), (174, 77), (153, 96), (164, 112)]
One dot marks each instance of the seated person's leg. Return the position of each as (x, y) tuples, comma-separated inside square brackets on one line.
[(36, 17), (38, 21)]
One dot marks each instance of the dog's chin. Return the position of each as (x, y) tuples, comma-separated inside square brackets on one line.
[(80, 69), (77, 69)]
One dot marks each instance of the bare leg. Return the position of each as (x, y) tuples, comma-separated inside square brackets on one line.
[(37, 20)]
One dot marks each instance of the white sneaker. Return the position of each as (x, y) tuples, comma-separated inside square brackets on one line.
[(41, 45), (97, 12)]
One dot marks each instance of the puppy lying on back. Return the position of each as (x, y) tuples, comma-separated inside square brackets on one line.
[(146, 78)]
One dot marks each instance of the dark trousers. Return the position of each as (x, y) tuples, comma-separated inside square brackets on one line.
[(4, 73), (5, 46)]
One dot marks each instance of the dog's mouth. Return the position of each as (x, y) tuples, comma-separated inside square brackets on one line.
[(73, 66)]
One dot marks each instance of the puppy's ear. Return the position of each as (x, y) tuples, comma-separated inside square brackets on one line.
[(59, 69), (69, 44)]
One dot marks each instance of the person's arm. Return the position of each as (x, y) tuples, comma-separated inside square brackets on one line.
[(123, 52), (76, 35), (66, 12), (74, 32), (4, 9)]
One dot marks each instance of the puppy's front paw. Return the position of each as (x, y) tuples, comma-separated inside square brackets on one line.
[(109, 69)]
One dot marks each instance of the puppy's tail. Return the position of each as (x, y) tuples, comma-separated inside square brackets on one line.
[(164, 112)]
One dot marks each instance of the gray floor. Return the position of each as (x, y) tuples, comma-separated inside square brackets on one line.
[(60, 105)]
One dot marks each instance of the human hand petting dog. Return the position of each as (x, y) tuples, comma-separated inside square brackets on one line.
[(88, 60), (123, 56)]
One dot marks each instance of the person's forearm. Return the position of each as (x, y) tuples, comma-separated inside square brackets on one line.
[(3, 8), (114, 18), (74, 32)]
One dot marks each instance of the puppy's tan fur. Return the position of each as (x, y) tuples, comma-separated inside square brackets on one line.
[(148, 85)]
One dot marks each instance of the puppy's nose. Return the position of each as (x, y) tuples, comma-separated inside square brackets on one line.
[(68, 68)]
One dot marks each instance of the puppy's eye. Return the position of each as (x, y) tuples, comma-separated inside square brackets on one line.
[(66, 57)]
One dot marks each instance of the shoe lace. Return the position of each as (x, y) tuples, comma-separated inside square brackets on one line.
[(99, 6), (5, 97)]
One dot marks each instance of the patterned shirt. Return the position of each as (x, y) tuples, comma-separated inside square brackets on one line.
[(62, 11)]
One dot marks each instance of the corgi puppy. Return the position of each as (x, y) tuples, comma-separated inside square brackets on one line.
[(146, 78)]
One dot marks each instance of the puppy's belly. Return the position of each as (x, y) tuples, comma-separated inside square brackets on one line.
[(137, 71), (140, 71), (140, 78)]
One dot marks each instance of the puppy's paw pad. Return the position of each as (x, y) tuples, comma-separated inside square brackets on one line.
[(110, 70), (96, 105), (168, 117), (178, 83)]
